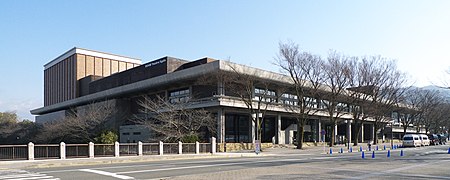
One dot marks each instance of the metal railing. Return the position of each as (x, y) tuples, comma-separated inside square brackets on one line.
[(150, 148), (13, 152), (91, 150), (128, 149), (170, 148), (77, 150), (188, 148), (205, 148), (103, 150), (46, 151)]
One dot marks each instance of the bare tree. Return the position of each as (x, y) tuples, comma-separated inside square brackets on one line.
[(376, 83), (429, 101), (82, 125), (337, 71), (173, 121), (304, 70), (257, 93), (410, 113)]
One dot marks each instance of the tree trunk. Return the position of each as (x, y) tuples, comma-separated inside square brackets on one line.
[(358, 133), (333, 129), (375, 133), (404, 130), (259, 130), (300, 132)]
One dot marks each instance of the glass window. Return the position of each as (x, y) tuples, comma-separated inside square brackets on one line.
[(179, 96), (289, 99), (237, 128), (265, 95)]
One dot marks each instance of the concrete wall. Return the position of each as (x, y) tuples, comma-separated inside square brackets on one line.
[(134, 133)]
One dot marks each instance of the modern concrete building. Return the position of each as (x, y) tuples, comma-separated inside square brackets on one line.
[(80, 77)]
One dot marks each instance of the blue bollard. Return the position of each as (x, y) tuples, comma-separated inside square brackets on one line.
[(401, 153), (331, 151), (362, 154), (448, 151), (360, 148), (377, 148), (350, 150), (373, 154), (389, 153), (342, 151), (368, 148), (384, 148)]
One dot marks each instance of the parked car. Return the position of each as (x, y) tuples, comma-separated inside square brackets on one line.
[(442, 139), (434, 139), (424, 140), (411, 140)]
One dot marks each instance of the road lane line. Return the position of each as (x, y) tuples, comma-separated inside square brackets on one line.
[(145, 165), (19, 176), (31, 178), (222, 164), (106, 173)]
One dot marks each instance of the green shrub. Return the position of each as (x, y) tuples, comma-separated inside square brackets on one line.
[(107, 137)]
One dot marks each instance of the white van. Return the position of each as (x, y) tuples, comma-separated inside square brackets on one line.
[(411, 140), (424, 139)]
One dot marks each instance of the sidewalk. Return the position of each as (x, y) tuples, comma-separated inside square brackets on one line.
[(111, 160)]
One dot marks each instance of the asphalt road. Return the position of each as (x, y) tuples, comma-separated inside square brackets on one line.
[(417, 163)]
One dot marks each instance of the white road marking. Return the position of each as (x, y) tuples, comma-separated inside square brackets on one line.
[(25, 175), (222, 164), (18, 176), (154, 164), (106, 173), (40, 177)]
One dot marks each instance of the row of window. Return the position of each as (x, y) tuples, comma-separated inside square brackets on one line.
[(134, 133), (179, 96), (291, 99), (265, 95)]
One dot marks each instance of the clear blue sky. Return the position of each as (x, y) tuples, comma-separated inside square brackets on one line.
[(416, 33)]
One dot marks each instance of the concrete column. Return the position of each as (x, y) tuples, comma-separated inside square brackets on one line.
[(91, 150), (161, 148), (279, 139), (213, 145), (30, 151), (372, 131), (221, 126), (362, 132), (180, 147), (349, 133), (335, 133), (319, 135), (253, 129), (116, 149), (62, 150), (197, 147), (140, 148)]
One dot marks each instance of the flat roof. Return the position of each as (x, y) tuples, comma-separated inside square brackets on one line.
[(77, 50)]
